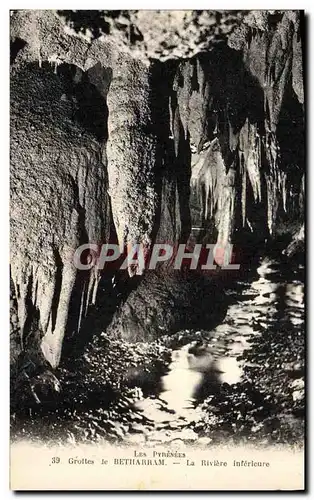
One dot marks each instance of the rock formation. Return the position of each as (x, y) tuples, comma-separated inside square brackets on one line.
[(139, 127), (168, 302)]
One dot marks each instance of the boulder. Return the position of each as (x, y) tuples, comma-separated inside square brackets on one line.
[(166, 302)]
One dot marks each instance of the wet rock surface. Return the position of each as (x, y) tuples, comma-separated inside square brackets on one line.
[(242, 381), (163, 303)]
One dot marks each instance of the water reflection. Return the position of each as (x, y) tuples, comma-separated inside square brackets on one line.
[(272, 299), (180, 383)]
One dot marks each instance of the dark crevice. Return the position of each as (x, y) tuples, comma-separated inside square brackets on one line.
[(135, 35), (57, 289), (15, 46)]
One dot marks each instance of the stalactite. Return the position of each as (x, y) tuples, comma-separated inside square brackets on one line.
[(243, 173), (297, 62), (225, 112), (51, 344), (53, 158), (193, 99), (183, 86), (213, 190), (227, 210), (250, 150), (274, 57), (131, 155)]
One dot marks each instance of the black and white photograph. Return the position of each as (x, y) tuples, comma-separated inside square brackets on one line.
[(157, 249)]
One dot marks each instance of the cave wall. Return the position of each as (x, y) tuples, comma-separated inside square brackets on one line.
[(59, 198), (104, 135), (242, 107)]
